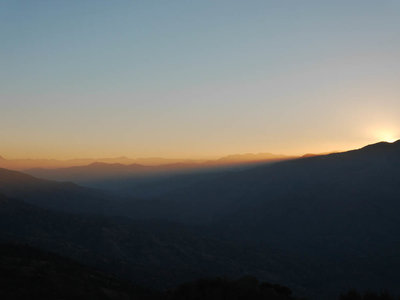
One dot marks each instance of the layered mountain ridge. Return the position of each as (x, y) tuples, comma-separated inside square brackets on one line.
[(319, 224)]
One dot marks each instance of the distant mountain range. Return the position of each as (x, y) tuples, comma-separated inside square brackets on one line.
[(139, 180), (319, 224), (24, 164)]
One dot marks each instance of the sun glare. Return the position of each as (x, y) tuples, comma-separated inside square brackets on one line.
[(386, 136)]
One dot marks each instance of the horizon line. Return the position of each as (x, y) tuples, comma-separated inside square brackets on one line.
[(194, 158)]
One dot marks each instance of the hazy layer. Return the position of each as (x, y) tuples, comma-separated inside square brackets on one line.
[(22, 164)]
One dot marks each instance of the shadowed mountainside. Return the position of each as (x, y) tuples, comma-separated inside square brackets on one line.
[(44, 275), (64, 196), (335, 182), (341, 210), (31, 273), (151, 253), (338, 212)]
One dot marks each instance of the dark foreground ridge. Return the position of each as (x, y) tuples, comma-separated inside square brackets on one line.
[(30, 273)]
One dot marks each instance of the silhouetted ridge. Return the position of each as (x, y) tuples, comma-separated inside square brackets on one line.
[(65, 196), (336, 214), (340, 210), (103, 164), (382, 146), (11, 177)]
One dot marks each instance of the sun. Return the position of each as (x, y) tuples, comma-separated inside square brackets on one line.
[(386, 136), (382, 132)]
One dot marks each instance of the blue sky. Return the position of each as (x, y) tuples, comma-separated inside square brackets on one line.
[(196, 78)]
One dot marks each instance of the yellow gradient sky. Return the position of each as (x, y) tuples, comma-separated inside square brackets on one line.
[(195, 79)]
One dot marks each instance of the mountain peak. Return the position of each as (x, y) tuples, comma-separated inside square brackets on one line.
[(98, 164), (381, 145), (377, 145)]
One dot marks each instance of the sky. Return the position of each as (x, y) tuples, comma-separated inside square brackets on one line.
[(196, 79)]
